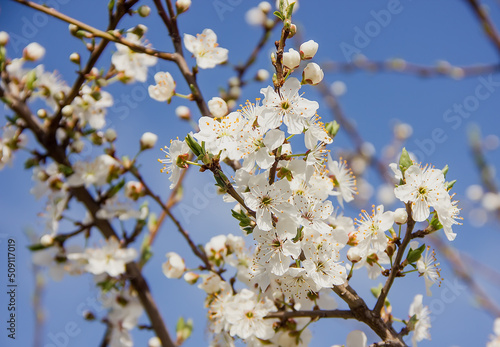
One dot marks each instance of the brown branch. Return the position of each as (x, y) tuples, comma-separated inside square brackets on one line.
[(363, 314), (345, 314), (404, 67), (189, 75), (487, 24), (397, 266), (195, 249), (280, 48)]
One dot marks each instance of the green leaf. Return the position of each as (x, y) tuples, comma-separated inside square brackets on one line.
[(115, 189), (289, 10), (279, 15), (445, 170), (332, 128), (415, 254), (450, 185), (405, 161), (37, 247), (194, 146), (435, 223)]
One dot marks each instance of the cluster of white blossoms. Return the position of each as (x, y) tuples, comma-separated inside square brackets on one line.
[(282, 201)]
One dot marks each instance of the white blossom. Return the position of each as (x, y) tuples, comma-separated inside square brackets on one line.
[(174, 267), (205, 49), (134, 65), (164, 88)]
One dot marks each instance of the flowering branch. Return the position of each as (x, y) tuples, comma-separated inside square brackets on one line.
[(487, 24), (397, 265), (133, 273)]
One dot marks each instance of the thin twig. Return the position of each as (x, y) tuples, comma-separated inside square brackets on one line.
[(487, 24)]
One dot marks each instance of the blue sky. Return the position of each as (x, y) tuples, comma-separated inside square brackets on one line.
[(421, 32)]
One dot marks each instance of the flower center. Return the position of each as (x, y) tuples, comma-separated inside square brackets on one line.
[(285, 105)]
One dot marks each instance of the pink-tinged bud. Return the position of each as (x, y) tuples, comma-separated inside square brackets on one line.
[(308, 49), (291, 59), (33, 52), (148, 140), (312, 74), (400, 216), (218, 107)]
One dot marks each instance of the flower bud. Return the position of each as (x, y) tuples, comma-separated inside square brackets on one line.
[(148, 140), (46, 240), (73, 29), (4, 38), (110, 135), (262, 75), (338, 88), (308, 49), (183, 112), (41, 113), (191, 277), (154, 342), (255, 17), (265, 7), (354, 255), (400, 216), (218, 107), (174, 266), (182, 5), (312, 74), (291, 59), (33, 52), (67, 111), (77, 146), (293, 31), (134, 190), (144, 11), (75, 58)]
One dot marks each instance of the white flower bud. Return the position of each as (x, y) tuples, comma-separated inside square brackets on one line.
[(4, 38), (308, 49), (291, 59), (75, 58), (61, 135), (154, 342), (218, 107), (73, 29), (400, 216), (110, 135), (174, 266), (67, 111), (46, 240), (191, 277), (338, 88), (262, 75), (144, 11), (312, 74), (235, 92), (182, 5), (41, 113), (148, 140), (77, 146), (33, 52), (183, 112), (354, 254), (265, 7), (255, 16)]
